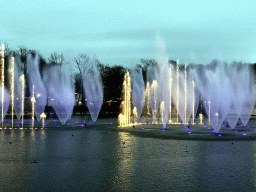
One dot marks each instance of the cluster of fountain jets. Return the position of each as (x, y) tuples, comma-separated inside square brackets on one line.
[(56, 84), (227, 92)]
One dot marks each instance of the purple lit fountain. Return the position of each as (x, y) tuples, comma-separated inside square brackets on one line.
[(138, 93), (93, 89), (34, 79), (60, 88)]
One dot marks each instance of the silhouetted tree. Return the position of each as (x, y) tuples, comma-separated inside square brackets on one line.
[(56, 59)]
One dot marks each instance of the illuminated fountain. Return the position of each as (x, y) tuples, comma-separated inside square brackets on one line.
[(37, 85), (138, 92), (178, 92), (22, 80), (201, 119), (93, 89), (60, 88), (147, 99), (125, 116), (170, 88), (228, 92), (154, 100), (5, 100), (11, 71), (163, 79)]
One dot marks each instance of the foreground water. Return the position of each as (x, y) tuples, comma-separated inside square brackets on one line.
[(102, 160)]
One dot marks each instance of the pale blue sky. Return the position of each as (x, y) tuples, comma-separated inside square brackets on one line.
[(122, 33)]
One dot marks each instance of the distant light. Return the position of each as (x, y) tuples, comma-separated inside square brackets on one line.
[(38, 95), (229, 127), (77, 122), (208, 128), (219, 135), (213, 131), (68, 123), (189, 132), (82, 125), (163, 129), (52, 99), (244, 133), (18, 125), (205, 125), (235, 130), (142, 128), (90, 123), (247, 127), (241, 125), (58, 126), (111, 123)]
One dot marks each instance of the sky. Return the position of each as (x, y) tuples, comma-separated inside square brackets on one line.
[(121, 33)]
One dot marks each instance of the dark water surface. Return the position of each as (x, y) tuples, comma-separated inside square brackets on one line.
[(103, 160)]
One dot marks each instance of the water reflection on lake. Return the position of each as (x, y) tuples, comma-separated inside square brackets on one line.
[(101, 160)]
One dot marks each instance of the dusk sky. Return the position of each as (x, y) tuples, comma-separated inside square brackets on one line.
[(121, 33)]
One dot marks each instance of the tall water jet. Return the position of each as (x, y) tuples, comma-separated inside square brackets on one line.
[(162, 110), (138, 93), (154, 100), (60, 88), (188, 100), (177, 91), (5, 104), (185, 106), (18, 87), (170, 89), (193, 113), (147, 99), (2, 82), (93, 89), (33, 100), (163, 78), (11, 71), (22, 80), (35, 80), (125, 116)]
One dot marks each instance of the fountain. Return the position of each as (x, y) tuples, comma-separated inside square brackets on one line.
[(125, 116), (138, 93), (60, 88), (92, 84), (228, 92)]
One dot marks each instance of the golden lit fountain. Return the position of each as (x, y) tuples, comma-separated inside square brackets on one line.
[(43, 116), (2, 81), (201, 119), (125, 116)]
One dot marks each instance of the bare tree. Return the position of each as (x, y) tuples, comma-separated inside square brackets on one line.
[(56, 59)]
